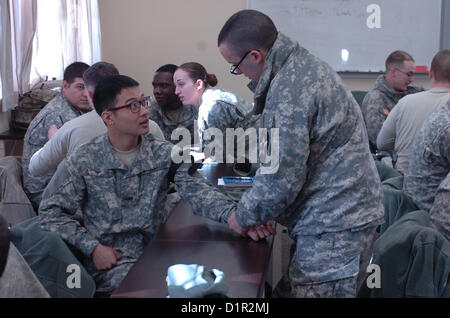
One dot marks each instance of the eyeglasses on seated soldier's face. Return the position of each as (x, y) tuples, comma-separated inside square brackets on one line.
[(135, 107)]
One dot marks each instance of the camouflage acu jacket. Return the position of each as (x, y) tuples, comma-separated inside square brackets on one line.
[(378, 103), (57, 112), (430, 159), (221, 110), (190, 116), (123, 208), (326, 179)]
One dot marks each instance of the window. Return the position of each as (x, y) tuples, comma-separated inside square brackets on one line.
[(41, 38), (67, 31)]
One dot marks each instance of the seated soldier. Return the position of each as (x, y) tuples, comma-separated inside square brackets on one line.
[(219, 110), (70, 103), (405, 120), (78, 130), (429, 164), (169, 113), (119, 181), (389, 88)]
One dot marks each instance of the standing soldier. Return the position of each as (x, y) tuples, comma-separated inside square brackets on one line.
[(326, 190)]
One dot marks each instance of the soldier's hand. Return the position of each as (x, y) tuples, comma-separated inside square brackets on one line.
[(104, 257), (261, 231), (52, 131), (234, 225)]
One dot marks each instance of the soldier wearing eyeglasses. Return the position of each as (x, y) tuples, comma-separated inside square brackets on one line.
[(389, 89), (119, 181), (401, 126), (326, 190), (75, 133)]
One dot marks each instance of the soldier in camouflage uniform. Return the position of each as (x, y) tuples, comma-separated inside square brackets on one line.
[(430, 159), (70, 103), (389, 89), (326, 189), (169, 113), (440, 211), (217, 108), (120, 181)]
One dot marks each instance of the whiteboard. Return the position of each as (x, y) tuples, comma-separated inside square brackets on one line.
[(329, 27)]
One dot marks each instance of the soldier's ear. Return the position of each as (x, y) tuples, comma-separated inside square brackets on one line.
[(199, 84), (65, 85), (258, 56), (108, 118)]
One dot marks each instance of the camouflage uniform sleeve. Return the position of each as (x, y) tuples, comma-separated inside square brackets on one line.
[(278, 183), (373, 117), (429, 161), (439, 211), (56, 213), (204, 199), (49, 156)]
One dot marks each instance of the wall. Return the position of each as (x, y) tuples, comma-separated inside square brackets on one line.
[(138, 36)]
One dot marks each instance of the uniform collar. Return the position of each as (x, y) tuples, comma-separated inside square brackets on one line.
[(276, 58), (145, 159)]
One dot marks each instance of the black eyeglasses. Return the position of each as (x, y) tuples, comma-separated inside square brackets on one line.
[(409, 74), (234, 68), (135, 107)]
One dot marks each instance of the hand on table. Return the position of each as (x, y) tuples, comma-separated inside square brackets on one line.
[(261, 231), (255, 232)]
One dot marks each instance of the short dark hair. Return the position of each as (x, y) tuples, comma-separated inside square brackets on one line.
[(397, 58), (168, 68), (74, 70), (248, 30), (98, 71), (196, 71), (5, 238), (106, 92), (441, 66)]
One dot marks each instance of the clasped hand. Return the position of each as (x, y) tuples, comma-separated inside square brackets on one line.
[(255, 232)]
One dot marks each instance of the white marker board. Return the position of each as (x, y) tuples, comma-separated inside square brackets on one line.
[(326, 27)]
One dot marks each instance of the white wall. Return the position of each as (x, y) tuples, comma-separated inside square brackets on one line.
[(139, 36)]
